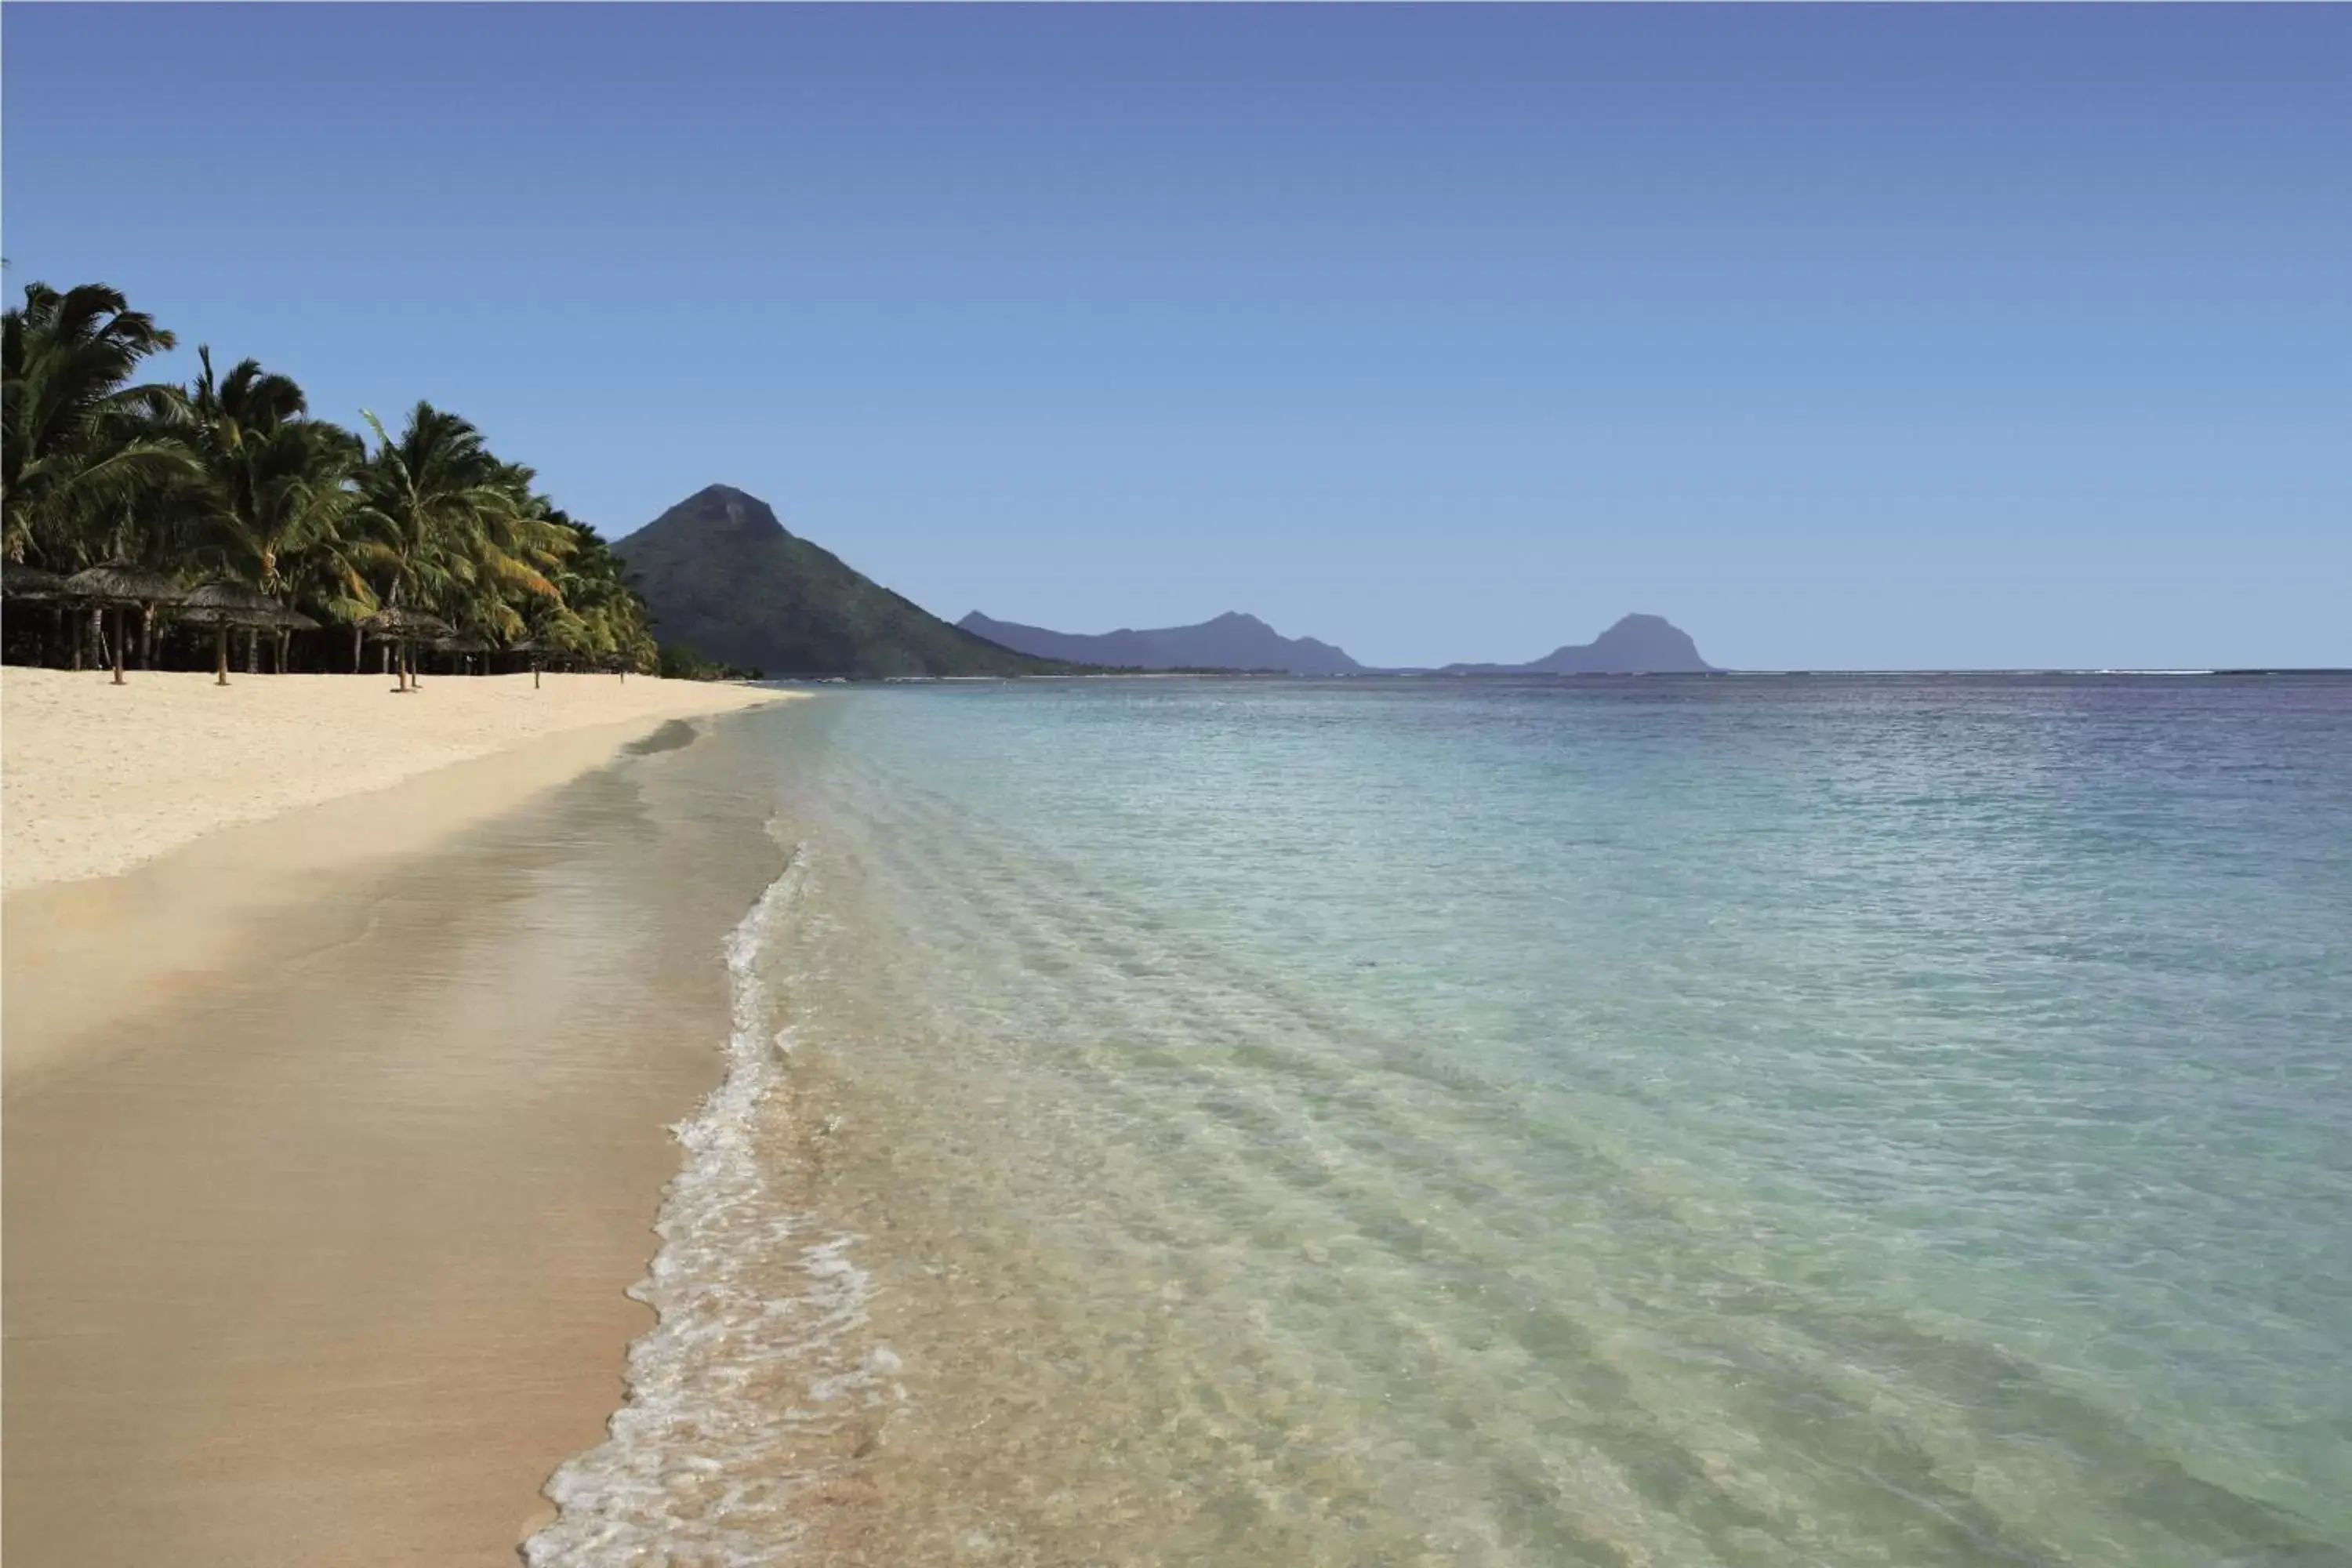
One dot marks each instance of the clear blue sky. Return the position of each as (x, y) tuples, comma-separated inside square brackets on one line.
[(1843, 336)]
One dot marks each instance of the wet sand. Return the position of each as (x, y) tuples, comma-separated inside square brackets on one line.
[(318, 1222)]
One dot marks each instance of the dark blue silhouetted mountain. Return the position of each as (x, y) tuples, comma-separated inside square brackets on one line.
[(1231, 641), (1638, 645), (722, 577)]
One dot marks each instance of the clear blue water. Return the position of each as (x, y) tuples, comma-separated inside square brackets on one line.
[(1751, 1121)]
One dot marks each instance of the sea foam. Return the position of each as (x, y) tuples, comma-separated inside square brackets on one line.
[(737, 1397)]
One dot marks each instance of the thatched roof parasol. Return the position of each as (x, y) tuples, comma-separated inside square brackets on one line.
[(463, 642), (396, 625), (117, 583), (223, 604), (31, 582), (226, 604), (120, 585), (405, 629)]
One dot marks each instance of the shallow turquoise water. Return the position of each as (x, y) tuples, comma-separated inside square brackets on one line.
[(1751, 1121)]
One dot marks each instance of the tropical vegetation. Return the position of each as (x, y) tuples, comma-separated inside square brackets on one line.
[(233, 479)]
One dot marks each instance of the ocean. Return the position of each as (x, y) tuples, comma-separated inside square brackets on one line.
[(1742, 1120)]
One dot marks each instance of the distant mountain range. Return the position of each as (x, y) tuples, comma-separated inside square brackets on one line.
[(1231, 641), (723, 577), (1637, 645)]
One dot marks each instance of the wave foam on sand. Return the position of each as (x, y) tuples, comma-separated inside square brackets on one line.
[(757, 1366)]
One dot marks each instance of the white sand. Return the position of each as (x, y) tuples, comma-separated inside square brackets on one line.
[(96, 778)]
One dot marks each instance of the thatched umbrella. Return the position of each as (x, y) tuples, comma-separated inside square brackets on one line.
[(224, 604), (401, 628), (465, 645), (529, 647), (118, 585)]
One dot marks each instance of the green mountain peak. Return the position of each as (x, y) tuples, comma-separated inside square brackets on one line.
[(723, 576)]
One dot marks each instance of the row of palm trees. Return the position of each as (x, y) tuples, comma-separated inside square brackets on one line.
[(231, 479)]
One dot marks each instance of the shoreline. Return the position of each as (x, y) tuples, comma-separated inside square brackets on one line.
[(75, 954), (334, 1140), (84, 925)]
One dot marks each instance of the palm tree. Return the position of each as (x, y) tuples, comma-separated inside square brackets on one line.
[(278, 485), (512, 562), (595, 615), (232, 478), (330, 578), (83, 445), (450, 528)]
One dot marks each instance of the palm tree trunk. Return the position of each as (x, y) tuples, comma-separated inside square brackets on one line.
[(253, 650), (220, 654), (98, 655), (359, 646), (119, 640), (147, 637)]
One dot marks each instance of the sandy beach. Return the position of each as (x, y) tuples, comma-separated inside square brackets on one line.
[(97, 778), (342, 1032)]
